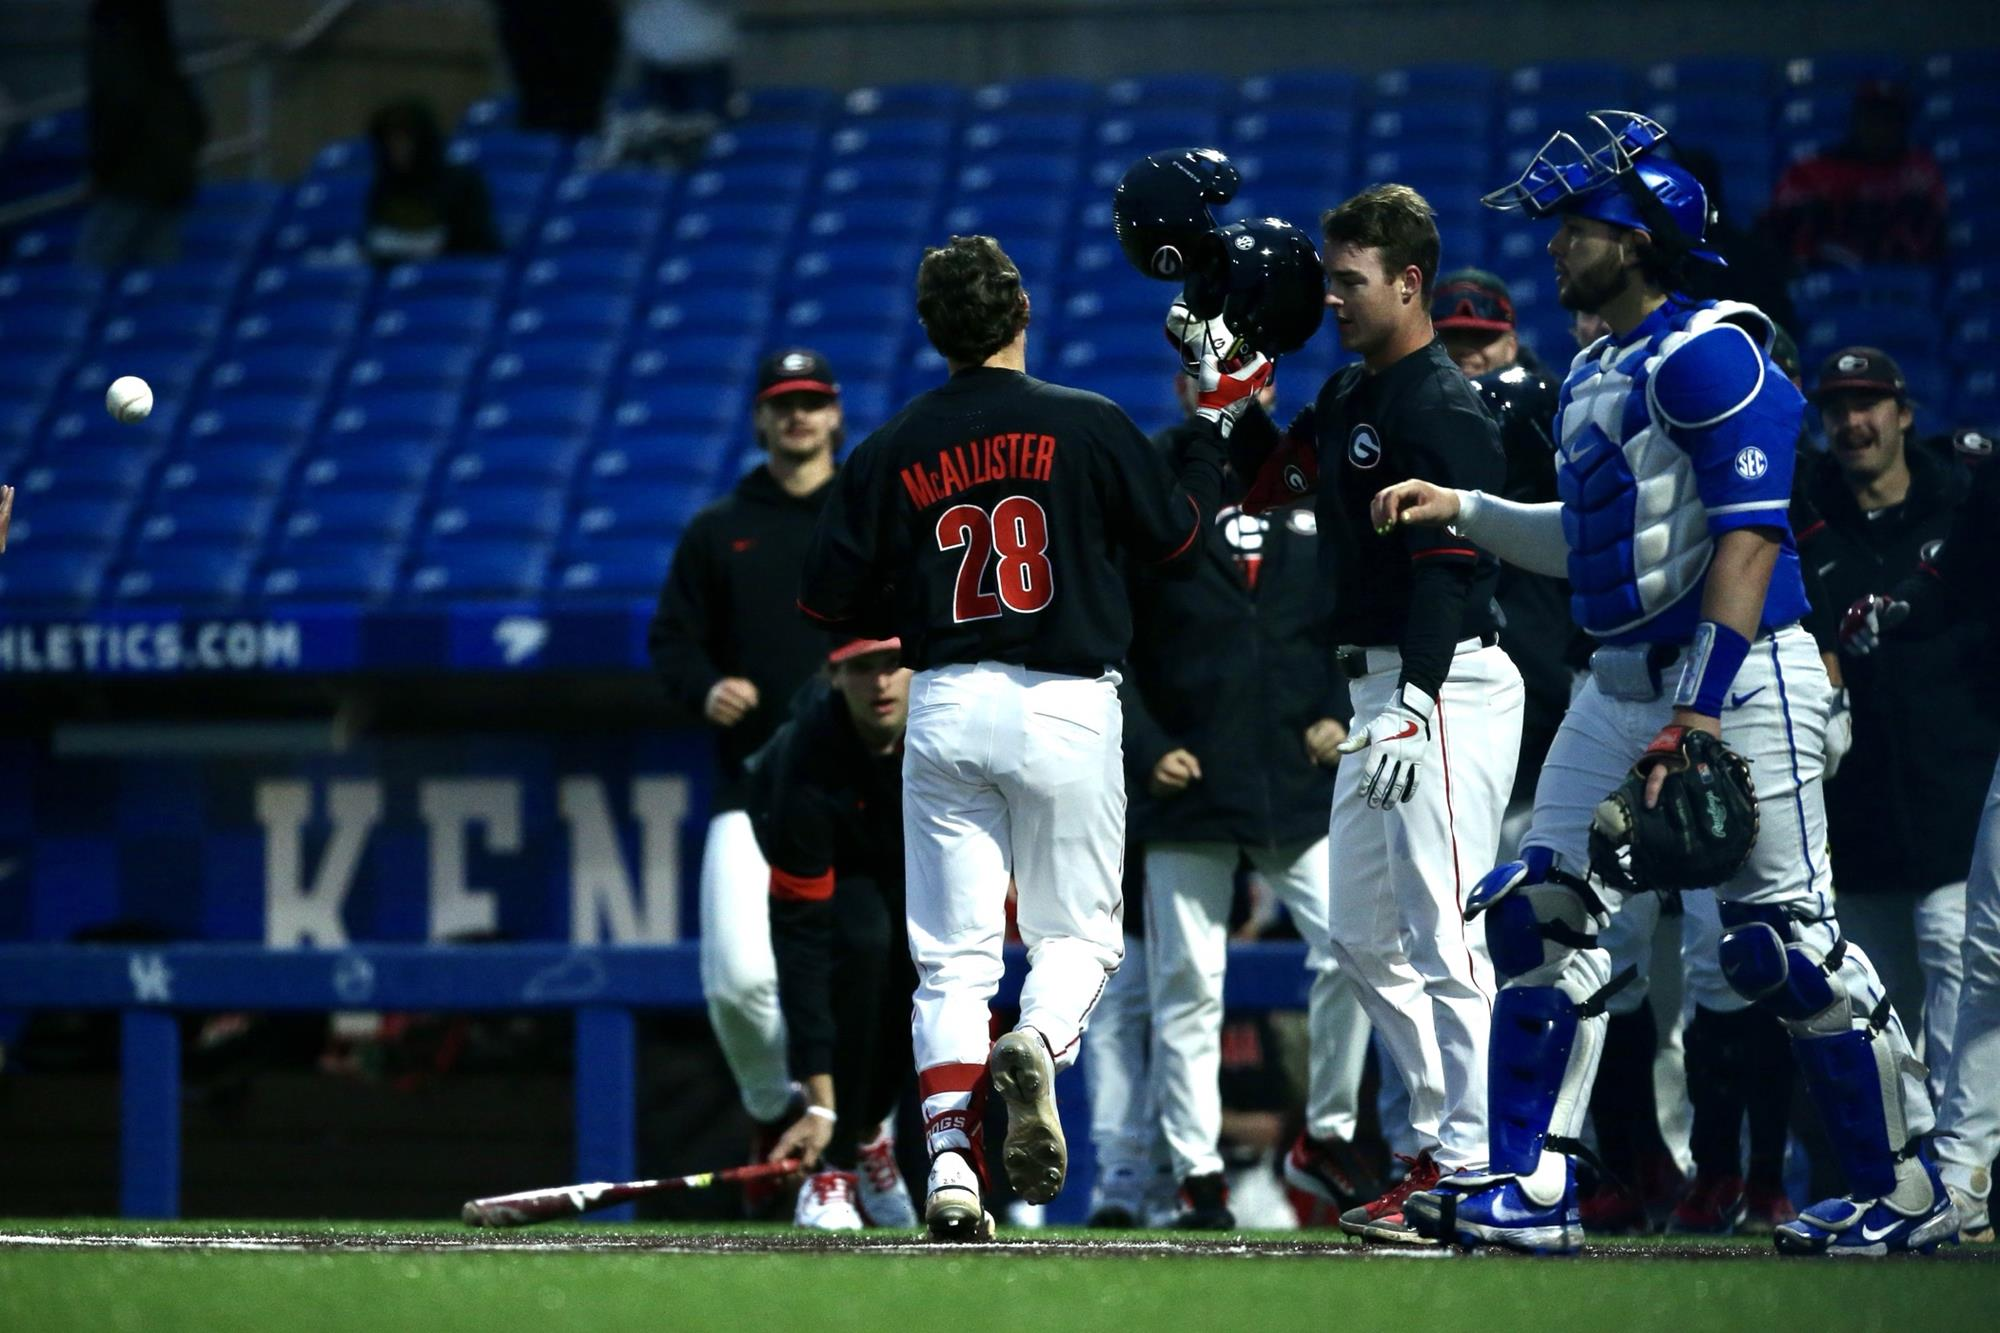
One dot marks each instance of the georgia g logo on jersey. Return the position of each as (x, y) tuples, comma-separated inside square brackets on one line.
[(1364, 446)]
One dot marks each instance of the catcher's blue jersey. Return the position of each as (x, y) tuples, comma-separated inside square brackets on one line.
[(1666, 440)]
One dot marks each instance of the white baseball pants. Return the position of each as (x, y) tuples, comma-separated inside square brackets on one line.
[(1399, 878), (1969, 1120), (739, 973), (1916, 941), (1189, 887), (1118, 1074), (1008, 772)]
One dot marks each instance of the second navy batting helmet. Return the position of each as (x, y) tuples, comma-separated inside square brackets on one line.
[(1616, 182), (1263, 277), (1161, 209)]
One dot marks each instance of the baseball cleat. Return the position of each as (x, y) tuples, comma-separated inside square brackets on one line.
[(1205, 1204), (1975, 1220), (952, 1207), (1330, 1170), (1872, 1227), (1381, 1219), (1713, 1206), (1500, 1214), (826, 1203), (1035, 1154), (1765, 1209), (1117, 1199), (885, 1199)]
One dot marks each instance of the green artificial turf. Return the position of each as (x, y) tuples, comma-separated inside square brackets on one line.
[(957, 1292)]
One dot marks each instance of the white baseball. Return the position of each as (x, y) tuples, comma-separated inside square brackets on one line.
[(129, 399)]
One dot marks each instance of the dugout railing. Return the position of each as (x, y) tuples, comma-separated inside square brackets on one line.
[(148, 986)]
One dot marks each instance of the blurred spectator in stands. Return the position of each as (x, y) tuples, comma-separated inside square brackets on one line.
[(686, 54), (1903, 812), (562, 55), (147, 127), (422, 206), (1874, 198), (1756, 268)]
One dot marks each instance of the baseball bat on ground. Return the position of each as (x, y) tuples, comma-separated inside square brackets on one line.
[(531, 1206)]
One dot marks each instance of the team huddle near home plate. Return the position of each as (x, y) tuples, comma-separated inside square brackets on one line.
[(1315, 647)]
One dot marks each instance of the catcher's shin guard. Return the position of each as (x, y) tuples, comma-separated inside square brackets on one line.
[(1852, 1067)]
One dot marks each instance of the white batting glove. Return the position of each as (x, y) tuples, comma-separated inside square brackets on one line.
[(1227, 375), (1839, 734), (1399, 739), (1862, 626)]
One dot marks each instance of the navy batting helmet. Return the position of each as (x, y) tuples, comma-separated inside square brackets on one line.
[(1161, 209), (1263, 276)]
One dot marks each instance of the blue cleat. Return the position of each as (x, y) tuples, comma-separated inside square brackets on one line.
[(1866, 1228), (1472, 1210)]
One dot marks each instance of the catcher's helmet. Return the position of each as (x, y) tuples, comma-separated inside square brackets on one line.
[(1263, 276), (1616, 183), (1161, 208)]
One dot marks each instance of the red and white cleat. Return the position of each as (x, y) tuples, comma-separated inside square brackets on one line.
[(827, 1203), (885, 1199)]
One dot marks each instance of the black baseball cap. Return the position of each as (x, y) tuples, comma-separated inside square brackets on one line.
[(1861, 370), (795, 370), (1472, 298)]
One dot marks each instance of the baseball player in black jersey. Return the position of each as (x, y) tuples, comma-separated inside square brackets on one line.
[(982, 525), (826, 798), (728, 648), (1438, 704)]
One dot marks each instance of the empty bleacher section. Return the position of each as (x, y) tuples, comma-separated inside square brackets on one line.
[(540, 426)]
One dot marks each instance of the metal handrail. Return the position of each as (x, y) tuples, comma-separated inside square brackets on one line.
[(219, 60)]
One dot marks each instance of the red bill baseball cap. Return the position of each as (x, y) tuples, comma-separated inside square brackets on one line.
[(1860, 370), (1472, 298), (795, 370), (862, 647)]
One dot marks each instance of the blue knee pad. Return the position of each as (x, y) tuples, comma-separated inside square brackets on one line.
[(1534, 1028), (1513, 936), (1518, 926), (1761, 963), (1846, 1084)]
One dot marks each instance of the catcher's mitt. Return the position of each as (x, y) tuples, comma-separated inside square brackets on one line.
[(1700, 833)]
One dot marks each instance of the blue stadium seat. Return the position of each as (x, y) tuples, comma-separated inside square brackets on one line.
[(702, 311), (736, 223), (1047, 93), (1034, 132), (535, 407), (1317, 87), (1977, 399), (914, 178), (688, 461), (509, 150), (1975, 341), (869, 353), (52, 284), (1884, 326), (486, 512), (1592, 83), (367, 515), (1821, 116), (745, 183), (51, 241), (335, 573), (1947, 69), (1146, 395), (719, 264), (29, 374), (895, 221), (904, 99), (844, 262), (1715, 118), (1898, 285), (1945, 111), (1200, 92), (619, 505), (54, 580), (422, 320), (539, 457), (926, 137), (1424, 125), (1974, 286), (1841, 72), (620, 187), (308, 323), (219, 469), (162, 324), (241, 198), (192, 575), (1704, 76), (364, 464), (577, 271), (1144, 130), (92, 522), (490, 113), (223, 236), (1009, 218), (599, 314), (1969, 148), (36, 324), (621, 570), (264, 370), (552, 360), (867, 403), (692, 357), (845, 307), (765, 141), (1442, 81), (478, 570), (442, 367), (73, 475), (1290, 167), (630, 228), (170, 370), (1299, 129), (345, 157), (1084, 353), (1000, 177), (470, 276), (1974, 234), (208, 281), (674, 409), (90, 428), (788, 103), (18, 418), (307, 282), (190, 517), (321, 212), (266, 418), (376, 412)]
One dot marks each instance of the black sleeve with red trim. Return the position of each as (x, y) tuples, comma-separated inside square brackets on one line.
[(794, 824), (844, 587), (1460, 449), (1156, 516), (1276, 468)]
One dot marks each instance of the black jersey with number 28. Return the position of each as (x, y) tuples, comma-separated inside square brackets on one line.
[(986, 520)]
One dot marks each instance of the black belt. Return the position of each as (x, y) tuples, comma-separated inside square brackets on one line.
[(1354, 661)]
